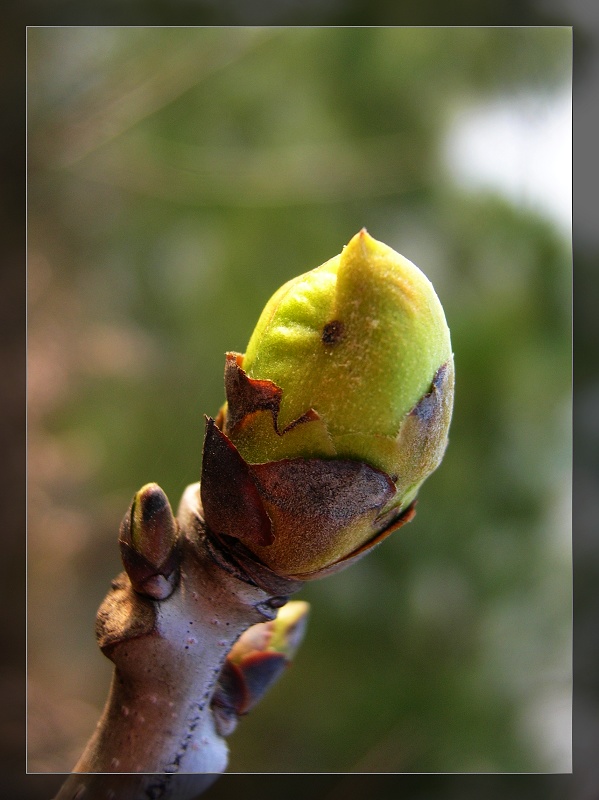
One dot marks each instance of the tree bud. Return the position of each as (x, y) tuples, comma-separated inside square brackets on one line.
[(335, 415), (256, 661), (148, 540)]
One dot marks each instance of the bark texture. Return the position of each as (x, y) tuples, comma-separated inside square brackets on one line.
[(158, 722)]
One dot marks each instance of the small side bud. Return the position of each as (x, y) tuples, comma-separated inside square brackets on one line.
[(255, 662), (289, 628), (148, 539)]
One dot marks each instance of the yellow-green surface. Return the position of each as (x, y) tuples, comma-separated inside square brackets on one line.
[(388, 340), (394, 338)]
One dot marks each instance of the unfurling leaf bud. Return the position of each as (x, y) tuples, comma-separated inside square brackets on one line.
[(282, 635), (335, 415), (149, 543), (256, 661)]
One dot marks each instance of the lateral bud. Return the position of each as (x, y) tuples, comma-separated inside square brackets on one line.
[(255, 662), (149, 543)]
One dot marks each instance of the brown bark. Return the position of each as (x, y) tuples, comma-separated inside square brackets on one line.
[(168, 653)]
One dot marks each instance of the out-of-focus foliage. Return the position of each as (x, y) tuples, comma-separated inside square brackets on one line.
[(177, 177)]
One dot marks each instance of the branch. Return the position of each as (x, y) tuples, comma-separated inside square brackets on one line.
[(169, 652), (301, 476)]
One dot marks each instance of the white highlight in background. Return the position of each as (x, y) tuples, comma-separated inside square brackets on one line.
[(521, 147)]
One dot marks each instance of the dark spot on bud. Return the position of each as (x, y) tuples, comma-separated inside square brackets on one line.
[(332, 333), (153, 502), (430, 406)]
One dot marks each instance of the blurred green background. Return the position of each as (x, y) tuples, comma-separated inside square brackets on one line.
[(178, 176)]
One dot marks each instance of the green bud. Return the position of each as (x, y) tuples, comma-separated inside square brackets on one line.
[(349, 365), (358, 339)]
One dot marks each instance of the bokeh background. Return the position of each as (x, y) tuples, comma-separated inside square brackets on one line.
[(178, 176)]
